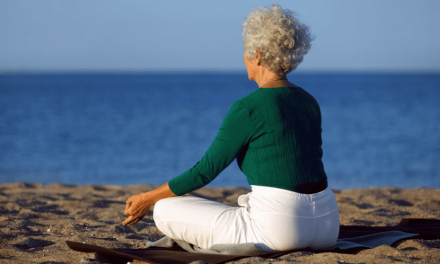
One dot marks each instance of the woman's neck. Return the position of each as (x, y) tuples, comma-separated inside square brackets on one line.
[(272, 80), (278, 83), (265, 77)]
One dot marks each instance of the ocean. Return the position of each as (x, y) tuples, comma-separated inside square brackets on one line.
[(146, 128)]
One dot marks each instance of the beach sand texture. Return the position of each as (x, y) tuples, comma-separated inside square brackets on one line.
[(37, 219)]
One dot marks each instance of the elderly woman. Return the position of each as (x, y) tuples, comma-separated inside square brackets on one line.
[(274, 133)]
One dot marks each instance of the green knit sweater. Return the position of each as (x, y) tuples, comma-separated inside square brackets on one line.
[(275, 135)]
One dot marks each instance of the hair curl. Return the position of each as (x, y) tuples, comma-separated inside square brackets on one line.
[(277, 34)]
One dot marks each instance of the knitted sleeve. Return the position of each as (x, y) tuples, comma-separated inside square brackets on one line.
[(235, 132)]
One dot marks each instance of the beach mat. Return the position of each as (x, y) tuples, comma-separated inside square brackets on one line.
[(426, 228), (173, 255), (351, 239)]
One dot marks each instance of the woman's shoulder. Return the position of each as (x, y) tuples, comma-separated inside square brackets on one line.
[(268, 98), (247, 99), (265, 94)]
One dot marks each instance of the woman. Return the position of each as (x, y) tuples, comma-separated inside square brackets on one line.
[(275, 135)]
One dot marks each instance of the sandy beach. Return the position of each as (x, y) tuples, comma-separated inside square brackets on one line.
[(37, 219)]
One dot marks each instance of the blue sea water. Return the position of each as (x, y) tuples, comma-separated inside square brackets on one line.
[(116, 128)]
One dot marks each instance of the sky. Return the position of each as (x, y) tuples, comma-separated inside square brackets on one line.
[(109, 35)]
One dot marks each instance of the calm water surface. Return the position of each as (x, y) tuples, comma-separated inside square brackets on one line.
[(378, 129)]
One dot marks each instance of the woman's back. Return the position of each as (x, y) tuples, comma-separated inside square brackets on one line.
[(285, 147)]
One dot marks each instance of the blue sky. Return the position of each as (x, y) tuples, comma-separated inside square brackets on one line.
[(100, 35)]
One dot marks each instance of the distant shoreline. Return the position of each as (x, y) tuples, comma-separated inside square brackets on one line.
[(20, 184), (212, 72)]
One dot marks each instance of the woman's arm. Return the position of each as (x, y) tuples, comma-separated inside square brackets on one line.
[(235, 132), (137, 206)]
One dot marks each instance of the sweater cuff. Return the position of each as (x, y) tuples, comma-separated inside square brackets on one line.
[(173, 187)]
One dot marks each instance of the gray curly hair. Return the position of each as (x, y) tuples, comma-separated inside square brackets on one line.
[(277, 34)]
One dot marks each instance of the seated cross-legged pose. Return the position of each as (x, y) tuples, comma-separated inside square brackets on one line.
[(274, 133)]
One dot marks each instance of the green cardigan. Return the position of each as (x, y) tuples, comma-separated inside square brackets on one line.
[(275, 135)]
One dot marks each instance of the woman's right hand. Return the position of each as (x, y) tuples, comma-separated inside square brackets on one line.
[(137, 207)]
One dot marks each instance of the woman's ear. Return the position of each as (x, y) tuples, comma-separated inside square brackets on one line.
[(258, 57)]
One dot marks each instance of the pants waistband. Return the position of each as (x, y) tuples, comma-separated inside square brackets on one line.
[(272, 191)]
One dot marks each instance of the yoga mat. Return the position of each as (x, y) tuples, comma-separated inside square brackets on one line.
[(351, 239), (175, 255)]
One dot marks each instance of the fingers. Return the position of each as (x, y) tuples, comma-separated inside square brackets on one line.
[(131, 220), (135, 209), (128, 210), (127, 204), (128, 221)]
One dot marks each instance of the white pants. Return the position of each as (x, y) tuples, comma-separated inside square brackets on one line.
[(273, 219)]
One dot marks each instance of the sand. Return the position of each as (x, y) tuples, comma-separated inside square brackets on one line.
[(37, 219)]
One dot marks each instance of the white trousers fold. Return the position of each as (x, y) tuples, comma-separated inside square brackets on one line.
[(273, 219)]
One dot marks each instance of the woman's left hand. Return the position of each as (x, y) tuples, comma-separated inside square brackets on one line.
[(137, 206)]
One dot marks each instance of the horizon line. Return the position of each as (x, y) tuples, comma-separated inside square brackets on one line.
[(212, 71)]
